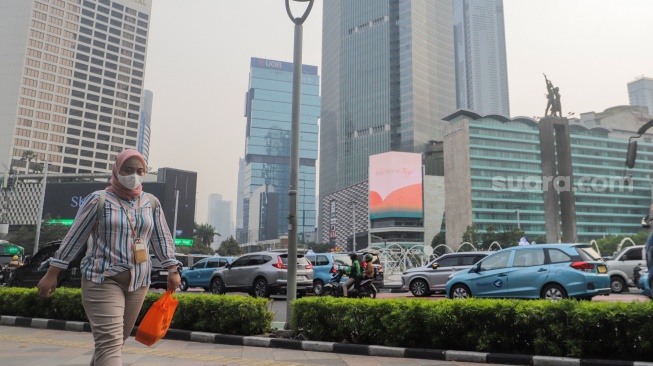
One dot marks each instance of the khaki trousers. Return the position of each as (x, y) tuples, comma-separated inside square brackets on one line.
[(112, 313)]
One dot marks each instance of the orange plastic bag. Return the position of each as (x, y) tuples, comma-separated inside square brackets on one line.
[(157, 320)]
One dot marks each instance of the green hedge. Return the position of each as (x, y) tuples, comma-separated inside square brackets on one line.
[(568, 328), (237, 315)]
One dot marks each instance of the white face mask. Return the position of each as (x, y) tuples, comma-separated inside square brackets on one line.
[(130, 181)]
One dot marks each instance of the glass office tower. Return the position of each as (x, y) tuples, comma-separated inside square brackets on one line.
[(480, 49), (388, 80), (268, 109)]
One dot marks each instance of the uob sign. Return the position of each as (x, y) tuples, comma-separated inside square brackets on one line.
[(274, 64)]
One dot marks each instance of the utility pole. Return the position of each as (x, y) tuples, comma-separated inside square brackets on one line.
[(39, 218)]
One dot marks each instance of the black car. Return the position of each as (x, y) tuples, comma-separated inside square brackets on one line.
[(34, 268), (159, 274)]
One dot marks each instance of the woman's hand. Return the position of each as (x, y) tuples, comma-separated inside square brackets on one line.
[(48, 284), (174, 279)]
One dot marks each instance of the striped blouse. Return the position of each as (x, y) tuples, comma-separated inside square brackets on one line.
[(110, 252)]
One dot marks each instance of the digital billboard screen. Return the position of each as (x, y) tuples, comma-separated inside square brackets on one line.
[(395, 181)]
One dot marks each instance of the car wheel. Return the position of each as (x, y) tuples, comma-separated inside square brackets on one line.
[(554, 293), (460, 291), (217, 287), (261, 288), (184, 285), (326, 291), (419, 288), (301, 294), (318, 285), (617, 285), (371, 291)]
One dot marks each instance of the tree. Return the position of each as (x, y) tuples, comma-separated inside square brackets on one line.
[(205, 233), (488, 237), (439, 238), (609, 245), (510, 238), (28, 155), (471, 235), (230, 247)]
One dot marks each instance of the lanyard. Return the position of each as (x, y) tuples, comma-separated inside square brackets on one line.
[(138, 239)]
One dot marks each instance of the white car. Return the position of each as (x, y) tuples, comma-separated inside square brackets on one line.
[(622, 265)]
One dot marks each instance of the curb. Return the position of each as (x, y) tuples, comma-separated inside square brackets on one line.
[(346, 348)]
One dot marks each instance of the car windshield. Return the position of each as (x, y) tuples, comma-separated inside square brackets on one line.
[(301, 260), (341, 260), (589, 254)]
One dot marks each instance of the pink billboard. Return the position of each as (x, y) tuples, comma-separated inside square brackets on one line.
[(396, 185)]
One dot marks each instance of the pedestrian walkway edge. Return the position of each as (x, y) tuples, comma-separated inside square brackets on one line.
[(347, 348)]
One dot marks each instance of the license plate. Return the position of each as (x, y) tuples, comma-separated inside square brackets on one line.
[(602, 269), (301, 278), (163, 273)]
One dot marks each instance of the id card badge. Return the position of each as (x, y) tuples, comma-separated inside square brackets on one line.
[(140, 253)]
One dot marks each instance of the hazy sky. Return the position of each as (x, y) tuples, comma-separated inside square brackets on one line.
[(199, 53)]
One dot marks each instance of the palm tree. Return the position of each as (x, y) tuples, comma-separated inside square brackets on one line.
[(205, 233), (28, 155)]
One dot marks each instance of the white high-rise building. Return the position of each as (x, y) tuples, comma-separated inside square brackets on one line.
[(220, 216), (480, 51), (640, 92), (71, 81)]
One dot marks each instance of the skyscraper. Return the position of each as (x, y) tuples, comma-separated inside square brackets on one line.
[(268, 109), (220, 216), (144, 129), (71, 81), (640, 92), (480, 50), (387, 82)]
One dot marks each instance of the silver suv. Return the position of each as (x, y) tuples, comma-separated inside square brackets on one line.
[(432, 278), (261, 274), (621, 266)]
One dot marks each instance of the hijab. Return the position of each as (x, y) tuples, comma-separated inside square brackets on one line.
[(116, 187)]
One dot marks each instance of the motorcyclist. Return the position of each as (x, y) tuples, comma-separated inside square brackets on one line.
[(355, 273), (369, 267), (15, 262)]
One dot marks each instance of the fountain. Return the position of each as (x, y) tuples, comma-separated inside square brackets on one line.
[(492, 245), (466, 243)]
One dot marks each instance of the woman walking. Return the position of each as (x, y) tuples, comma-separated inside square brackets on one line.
[(116, 268)]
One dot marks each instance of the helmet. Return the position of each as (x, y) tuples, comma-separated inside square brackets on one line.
[(368, 257), (353, 256), (15, 258)]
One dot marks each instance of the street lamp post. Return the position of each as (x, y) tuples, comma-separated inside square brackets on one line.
[(291, 290), (353, 225), (39, 218)]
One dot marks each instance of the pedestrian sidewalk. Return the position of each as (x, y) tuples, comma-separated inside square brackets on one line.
[(27, 341)]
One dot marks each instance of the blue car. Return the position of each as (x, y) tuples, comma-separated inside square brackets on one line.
[(541, 271), (324, 265), (199, 275)]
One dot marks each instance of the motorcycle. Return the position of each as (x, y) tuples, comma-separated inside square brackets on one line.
[(334, 288)]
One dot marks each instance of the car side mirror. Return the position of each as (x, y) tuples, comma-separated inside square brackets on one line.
[(227, 266), (435, 266), (475, 269), (27, 259), (44, 266)]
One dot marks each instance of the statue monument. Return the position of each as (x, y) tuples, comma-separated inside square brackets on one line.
[(557, 173), (553, 99)]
